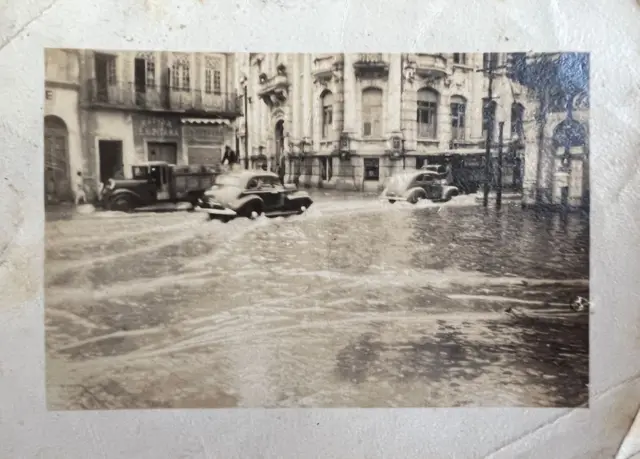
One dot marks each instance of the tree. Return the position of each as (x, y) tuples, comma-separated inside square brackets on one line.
[(555, 80)]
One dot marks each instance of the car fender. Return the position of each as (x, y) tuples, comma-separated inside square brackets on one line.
[(121, 191), (415, 189), (238, 203), (450, 190)]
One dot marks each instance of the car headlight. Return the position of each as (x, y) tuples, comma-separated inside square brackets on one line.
[(444, 182)]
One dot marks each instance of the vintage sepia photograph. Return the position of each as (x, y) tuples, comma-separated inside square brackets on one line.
[(316, 230)]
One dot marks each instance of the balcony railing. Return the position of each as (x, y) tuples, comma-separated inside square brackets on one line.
[(129, 96), (370, 63)]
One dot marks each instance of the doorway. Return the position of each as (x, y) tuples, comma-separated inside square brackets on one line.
[(163, 151), (57, 184), (140, 80), (110, 153), (105, 66), (279, 140)]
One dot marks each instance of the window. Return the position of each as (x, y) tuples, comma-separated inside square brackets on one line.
[(427, 115), (151, 72), (327, 113), (181, 74), (489, 61), (111, 71), (488, 115), (212, 76), (517, 120), (372, 112), (371, 168), (458, 109), (460, 58), (212, 81)]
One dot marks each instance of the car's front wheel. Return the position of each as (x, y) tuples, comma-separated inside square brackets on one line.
[(417, 196), (252, 210)]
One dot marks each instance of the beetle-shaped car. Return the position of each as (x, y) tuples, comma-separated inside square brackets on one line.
[(417, 185), (251, 193)]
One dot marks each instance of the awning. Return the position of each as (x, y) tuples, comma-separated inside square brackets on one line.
[(218, 121)]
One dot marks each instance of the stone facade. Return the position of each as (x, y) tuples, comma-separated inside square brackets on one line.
[(391, 112), (126, 107)]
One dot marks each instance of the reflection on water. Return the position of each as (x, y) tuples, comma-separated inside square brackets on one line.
[(355, 304)]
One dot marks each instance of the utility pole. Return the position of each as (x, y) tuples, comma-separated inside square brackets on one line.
[(499, 181), (246, 127), (489, 134)]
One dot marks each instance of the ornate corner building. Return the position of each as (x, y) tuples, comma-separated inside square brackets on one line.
[(108, 110), (350, 121)]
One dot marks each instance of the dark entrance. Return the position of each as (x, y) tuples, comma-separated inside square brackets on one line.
[(279, 140), (105, 72), (163, 151), (57, 185), (110, 152), (140, 80)]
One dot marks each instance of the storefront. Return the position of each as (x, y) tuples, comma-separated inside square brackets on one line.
[(205, 140), (157, 138)]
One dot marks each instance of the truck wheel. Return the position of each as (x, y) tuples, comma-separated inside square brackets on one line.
[(122, 203)]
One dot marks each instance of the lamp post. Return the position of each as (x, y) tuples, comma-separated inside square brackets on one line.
[(244, 83)]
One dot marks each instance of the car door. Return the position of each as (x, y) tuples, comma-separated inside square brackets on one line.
[(263, 186), (429, 184), (271, 192)]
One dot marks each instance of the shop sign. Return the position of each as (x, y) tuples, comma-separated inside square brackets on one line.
[(158, 127)]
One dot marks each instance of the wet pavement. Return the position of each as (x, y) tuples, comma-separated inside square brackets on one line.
[(357, 303)]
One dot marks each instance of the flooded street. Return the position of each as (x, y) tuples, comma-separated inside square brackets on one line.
[(356, 304)]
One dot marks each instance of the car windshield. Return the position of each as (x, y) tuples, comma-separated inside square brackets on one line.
[(227, 180), (140, 172)]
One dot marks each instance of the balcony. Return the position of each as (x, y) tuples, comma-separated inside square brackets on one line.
[(275, 90), (129, 96), (323, 67), (371, 65), (431, 65)]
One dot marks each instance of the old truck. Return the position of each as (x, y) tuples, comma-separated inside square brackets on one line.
[(158, 186)]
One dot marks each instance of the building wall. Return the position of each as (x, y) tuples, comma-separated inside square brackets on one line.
[(308, 77), (62, 73), (136, 128)]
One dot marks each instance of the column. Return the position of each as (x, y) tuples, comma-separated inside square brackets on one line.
[(394, 89), (350, 104), (444, 119), (316, 119), (338, 101), (307, 94), (474, 110), (296, 99)]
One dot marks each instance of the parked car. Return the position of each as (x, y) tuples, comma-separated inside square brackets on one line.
[(157, 185), (251, 193), (417, 185)]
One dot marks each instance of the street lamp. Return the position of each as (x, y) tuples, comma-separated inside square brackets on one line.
[(244, 84)]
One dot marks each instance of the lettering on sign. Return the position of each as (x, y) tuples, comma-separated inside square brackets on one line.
[(158, 127), (205, 132)]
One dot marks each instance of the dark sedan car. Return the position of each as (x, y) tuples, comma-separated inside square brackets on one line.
[(250, 194), (417, 185)]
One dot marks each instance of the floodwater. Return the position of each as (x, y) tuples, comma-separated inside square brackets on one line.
[(356, 304)]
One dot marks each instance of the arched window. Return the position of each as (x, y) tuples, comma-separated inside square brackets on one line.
[(517, 120), (488, 116), (427, 115), (327, 113), (458, 113), (180, 73), (372, 112)]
